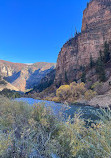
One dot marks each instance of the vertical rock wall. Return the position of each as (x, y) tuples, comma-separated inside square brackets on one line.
[(96, 29)]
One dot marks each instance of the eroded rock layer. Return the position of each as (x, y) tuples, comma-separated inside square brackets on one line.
[(96, 29)]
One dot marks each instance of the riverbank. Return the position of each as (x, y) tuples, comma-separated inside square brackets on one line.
[(99, 101), (90, 98)]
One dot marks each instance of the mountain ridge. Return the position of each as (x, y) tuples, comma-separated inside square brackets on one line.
[(24, 76)]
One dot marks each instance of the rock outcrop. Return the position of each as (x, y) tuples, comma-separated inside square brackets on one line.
[(96, 29), (24, 76)]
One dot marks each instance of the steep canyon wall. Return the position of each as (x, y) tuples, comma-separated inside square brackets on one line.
[(96, 29)]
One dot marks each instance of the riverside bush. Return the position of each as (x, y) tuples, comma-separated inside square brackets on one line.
[(34, 131), (63, 92), (89, 94), (73, 92)]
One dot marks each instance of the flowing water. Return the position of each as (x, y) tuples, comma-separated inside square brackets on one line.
[(87, 112)]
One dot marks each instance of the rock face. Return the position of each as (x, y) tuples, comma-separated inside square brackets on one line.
[(45, 82), (24, 76), (96, 29)]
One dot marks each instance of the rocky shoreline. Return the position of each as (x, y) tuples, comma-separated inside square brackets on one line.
[(99, 101)]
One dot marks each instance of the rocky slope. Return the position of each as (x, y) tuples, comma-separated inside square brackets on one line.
[(5, 85), (24, 76), (45, 82), (96, 29)]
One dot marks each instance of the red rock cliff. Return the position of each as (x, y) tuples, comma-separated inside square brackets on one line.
[(96, 29)]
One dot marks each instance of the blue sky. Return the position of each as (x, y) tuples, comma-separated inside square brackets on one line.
[(35, 30)]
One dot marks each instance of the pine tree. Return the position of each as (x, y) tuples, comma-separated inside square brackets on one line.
[(106, 52), (83, 77), (101, 56), (76, 33), (91, 62), (100, 69), (87, 4), (66, 78)]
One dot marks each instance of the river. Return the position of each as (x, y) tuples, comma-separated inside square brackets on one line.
[(87, 112)]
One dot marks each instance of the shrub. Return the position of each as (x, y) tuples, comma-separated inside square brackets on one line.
[(99, 136), (37, 132), (31, 127), (89, 94), (10, 93), (70, 137), (5, 142), (63, 92), (56, 99), (77, 89), (71, 92), (96, 85)]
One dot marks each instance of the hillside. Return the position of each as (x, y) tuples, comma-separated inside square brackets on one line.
[(24, 76), (6, 85)]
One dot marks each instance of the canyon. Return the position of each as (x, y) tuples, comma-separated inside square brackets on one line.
[(96, 29), (21, 77), (75, 53)]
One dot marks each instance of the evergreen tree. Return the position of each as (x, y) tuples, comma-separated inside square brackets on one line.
[(66, 78), (76, 33), (101, 56), (100, 69), (91, 62), (106, 52), (87, 4), (83, 77)]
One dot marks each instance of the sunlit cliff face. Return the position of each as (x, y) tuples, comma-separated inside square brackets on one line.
[(96, 29)]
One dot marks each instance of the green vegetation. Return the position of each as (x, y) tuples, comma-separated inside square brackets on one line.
[(3, 82), (92, 63), (87, 4), (10, 93), (96, 85), (66, 78), (106, 52), (83, 77), (104, 58), (100, 64), (100, 70), (27, 131)]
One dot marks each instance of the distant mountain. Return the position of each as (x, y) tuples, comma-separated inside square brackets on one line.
[(5, 85), (24, 76)]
